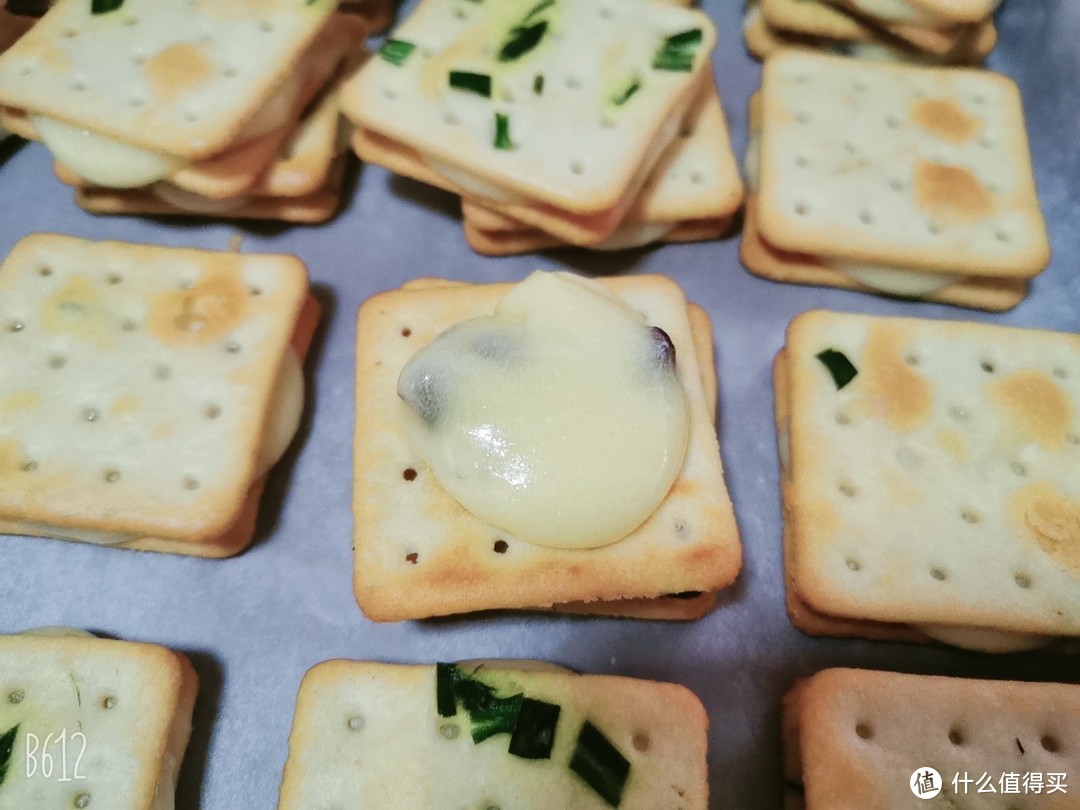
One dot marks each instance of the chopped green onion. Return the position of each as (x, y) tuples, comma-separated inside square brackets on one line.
[(624, 95), (673, 60), (686, 39), (841, 369), (7, 745), (489, 713), (600, 764), (502, 132), (104, 6), (446, 675), (534, 734), (522, 40), (538, 84), (396, 51), (479, 83), (677, 52)]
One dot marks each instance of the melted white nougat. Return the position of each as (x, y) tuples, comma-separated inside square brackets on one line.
[(559, 418)]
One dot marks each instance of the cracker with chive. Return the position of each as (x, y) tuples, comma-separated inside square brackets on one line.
[(693, 194), (123, 710), (928, 480), (500, 100), (492, 735)]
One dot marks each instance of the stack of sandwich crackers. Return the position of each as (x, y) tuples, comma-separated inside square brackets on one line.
[(170, 107), (590, 124), (927, 31)]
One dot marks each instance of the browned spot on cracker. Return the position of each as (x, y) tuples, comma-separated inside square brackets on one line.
[(11, 457), (892, 391), (945, 119), (178, 70), (20, 401), (1035, 407), (1051, 520), (125, 403), (76, 309), (952, 443), (202, 314), (950, 193)]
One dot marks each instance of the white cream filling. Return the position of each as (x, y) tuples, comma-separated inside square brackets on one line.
[(752, 163), (979, 639), (107, 162), (471, 184), (628, 236), (895, 281), (560, 418), (101, 160), (286, 409), (196, 203)]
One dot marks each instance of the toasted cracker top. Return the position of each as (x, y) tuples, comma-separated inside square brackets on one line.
[(898, 165), (136, 381), (173, 76)]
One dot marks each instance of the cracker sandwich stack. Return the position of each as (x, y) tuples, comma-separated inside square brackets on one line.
[(508, 442), (903, 180), (89, 722), (558, 123), (941, 32), (929, 482), (855, 739), (146, 391), (171, 107)]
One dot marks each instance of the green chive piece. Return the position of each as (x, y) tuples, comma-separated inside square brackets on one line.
[(624, 95), (677, 52), (479, 83), (446, 675), (538, 84), (104, 6), (841, 369), (502, 132), (674, 61), (534, 734), (522, 40), (600, 764), (686, 39), (396, 51), (7, 745), (489, 713)]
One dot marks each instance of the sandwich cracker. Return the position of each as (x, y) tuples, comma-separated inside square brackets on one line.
[(370, 734), (131, 372), (936, 488), (415, 545)]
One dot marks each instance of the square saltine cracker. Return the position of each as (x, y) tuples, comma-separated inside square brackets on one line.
[(854, 739), (900, 166), (131, 702), (937, 489), (419, 554), (137, 382), (571, 149), (370, 735)]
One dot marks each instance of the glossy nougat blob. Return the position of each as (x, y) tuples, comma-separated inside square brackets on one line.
[(559, 418)]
